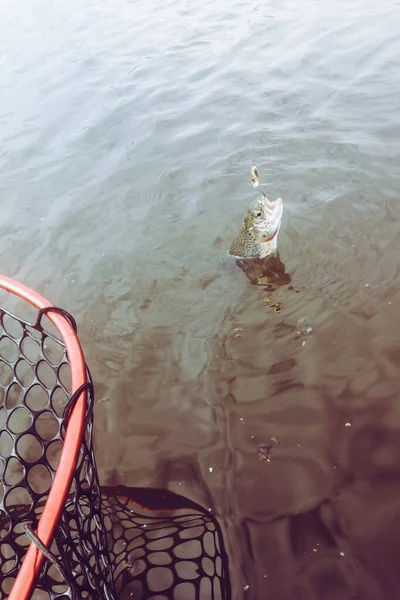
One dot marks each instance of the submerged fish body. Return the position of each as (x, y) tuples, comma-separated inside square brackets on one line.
[(258, 234)]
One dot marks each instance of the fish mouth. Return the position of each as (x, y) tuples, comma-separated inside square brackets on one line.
[(273, 206)]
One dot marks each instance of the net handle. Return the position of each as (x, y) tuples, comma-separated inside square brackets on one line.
[(33, 560)]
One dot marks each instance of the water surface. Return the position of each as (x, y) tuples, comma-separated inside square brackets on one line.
[(127, 134)]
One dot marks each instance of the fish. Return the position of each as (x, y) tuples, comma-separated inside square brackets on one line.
[(258, 234)]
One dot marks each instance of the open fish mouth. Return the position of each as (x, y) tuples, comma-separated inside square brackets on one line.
[(273, 205)]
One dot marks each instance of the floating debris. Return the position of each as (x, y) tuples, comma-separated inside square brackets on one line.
[(211, 469), (347, 424), (305, 331), (246, 588), (264, 450), (276, 306)]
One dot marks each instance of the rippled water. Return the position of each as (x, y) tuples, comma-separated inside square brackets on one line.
[(127, 134)]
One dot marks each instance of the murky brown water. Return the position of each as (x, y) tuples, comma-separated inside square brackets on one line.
[(128, 131)]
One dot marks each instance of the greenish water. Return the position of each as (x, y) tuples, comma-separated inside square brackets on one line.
[(127, 134)]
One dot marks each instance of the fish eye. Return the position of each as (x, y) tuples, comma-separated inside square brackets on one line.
[(258, 214)]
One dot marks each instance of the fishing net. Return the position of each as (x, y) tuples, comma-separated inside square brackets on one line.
[(62, 536)]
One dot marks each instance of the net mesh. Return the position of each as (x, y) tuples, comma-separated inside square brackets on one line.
[(111, 543)]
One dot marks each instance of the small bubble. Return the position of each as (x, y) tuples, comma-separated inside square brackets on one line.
[(342, 554), (389, 303), (367, 285)]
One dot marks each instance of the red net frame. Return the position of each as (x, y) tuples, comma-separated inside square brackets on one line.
[(54, 506), (98, 542)]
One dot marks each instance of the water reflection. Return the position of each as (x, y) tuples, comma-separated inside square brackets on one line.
[(269, 271)]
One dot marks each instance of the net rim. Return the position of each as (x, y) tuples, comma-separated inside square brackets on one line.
[(33, 560)]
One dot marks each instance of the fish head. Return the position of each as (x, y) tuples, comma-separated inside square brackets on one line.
[(263, 218), (258, 234)]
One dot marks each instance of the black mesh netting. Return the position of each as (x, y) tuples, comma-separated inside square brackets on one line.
[(110, 543)]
